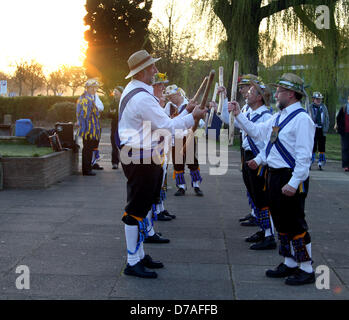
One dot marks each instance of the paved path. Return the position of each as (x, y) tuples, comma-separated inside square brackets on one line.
[(72, 239)]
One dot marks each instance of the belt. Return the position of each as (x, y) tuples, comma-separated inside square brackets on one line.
[(279, 170)]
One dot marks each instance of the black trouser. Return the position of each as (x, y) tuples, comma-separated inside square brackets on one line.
[(143, 188), (319, 141), (88, 146), (115, 153), (178, 164), (287, 212), (254, 183), (345, 149)]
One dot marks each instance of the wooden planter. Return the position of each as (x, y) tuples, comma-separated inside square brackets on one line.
[(39, 172)]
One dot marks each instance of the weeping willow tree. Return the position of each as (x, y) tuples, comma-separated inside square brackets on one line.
[(245, 42)]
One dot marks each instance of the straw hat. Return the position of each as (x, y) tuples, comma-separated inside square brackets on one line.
[(290, 81), (317, 95), (91, 83), (160, 78), (247, 78), (139, 61), (173, 89), (263, 90)]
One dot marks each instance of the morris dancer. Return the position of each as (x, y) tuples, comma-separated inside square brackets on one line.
[(89, 129), (176, 107), (244, 85), (137, 105), (159, 211), (288, 155), (319, 114)]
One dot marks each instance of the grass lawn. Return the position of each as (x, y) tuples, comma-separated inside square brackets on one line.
[(22, 149), (333, 146)]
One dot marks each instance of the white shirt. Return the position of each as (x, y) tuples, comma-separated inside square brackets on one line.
[(143, 115), (99, 103), (260, 144), (297, 137), (180, 115)]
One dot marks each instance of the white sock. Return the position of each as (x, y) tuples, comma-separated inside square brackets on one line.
[(141, 253), (272, 224), (150, 230), (158, 208), (267, 232), (162, 207), (182, 186), (131, 235), (196, 184), (252, 212), (290, 262), (306, 266)]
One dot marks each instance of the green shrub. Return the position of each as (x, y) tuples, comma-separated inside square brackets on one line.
[(37, 108), (62, 112)]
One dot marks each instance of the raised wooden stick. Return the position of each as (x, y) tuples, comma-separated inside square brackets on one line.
[(214, 97), (221, 94), (234, 88), (202, 106), (202, 86)]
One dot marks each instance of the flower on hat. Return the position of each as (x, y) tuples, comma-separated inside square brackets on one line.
[(160, 78), (91, 83)]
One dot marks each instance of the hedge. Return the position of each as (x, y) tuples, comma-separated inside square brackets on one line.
[(36, 108)]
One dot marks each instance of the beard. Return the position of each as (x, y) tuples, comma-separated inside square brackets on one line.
[(280, 105)]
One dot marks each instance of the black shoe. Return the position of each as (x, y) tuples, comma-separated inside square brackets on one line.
[(90, 173), (281, 271), (162, 217), (246, 218), (96, 166), (156, 239), (180, 192), (166, 213), (115, 166), (198, 192), (258, 236), (267, 243), (148, 262), (249, 223), (138, 270), (300, 277)]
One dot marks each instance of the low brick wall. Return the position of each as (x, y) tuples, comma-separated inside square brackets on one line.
[(39, 172)]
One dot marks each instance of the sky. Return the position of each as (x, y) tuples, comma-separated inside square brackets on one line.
[(52, 32)]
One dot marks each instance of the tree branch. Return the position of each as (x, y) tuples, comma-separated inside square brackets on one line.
[(310, 24), (277, 6)]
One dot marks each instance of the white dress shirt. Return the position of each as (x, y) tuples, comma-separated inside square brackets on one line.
[(142, 115), (260, 144), (297, 137), (180, 115)]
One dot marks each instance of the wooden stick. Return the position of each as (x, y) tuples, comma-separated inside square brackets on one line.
[(202, 86), (234, 88), (214, 97), (202, 106), (221, 95)]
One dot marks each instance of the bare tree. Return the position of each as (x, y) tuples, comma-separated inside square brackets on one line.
[(35, 77), (75, 77), (57, 81)]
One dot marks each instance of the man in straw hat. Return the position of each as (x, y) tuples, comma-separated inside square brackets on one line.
[(176, 107), (319, 114), (244, 85), (258, 98), (160, 79), (159, 211), (89, 130), (139, 116), (290, 133)]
